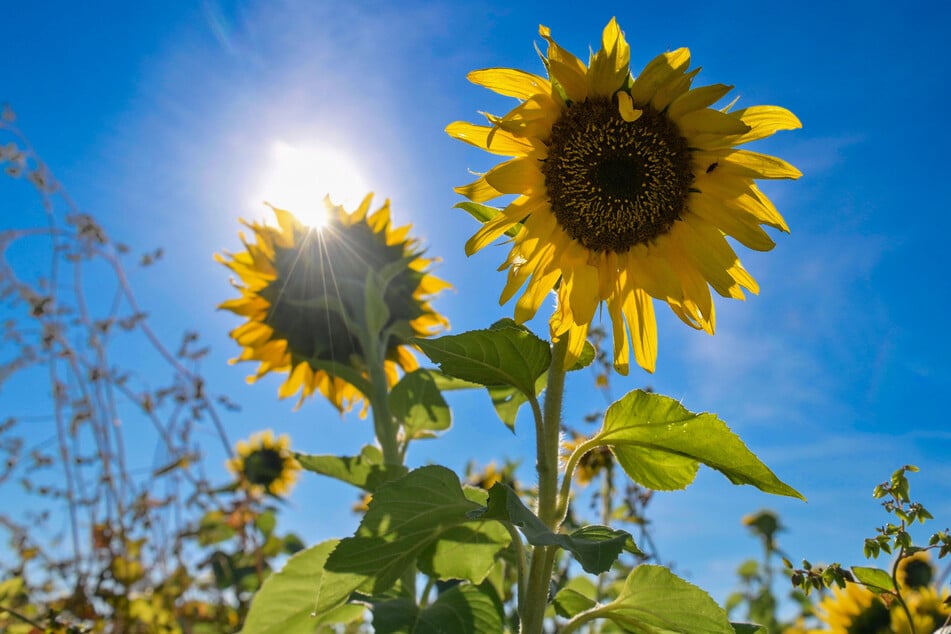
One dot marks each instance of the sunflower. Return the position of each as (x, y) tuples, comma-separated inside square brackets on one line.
[(303, 288), (265, 464), (853, 610), (915, 571), (624, 190)]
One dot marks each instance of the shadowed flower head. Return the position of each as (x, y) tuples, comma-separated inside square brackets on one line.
[(624, 190), (304, 295), (265, 464)]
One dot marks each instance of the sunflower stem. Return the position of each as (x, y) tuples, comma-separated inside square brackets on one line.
[(532, 613)]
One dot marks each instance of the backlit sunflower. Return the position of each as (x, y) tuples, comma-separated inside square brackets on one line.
[(265, 464), (295, 280), (625, 189)]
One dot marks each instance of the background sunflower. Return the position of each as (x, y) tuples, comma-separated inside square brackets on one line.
[(303, 293), (265, 464)]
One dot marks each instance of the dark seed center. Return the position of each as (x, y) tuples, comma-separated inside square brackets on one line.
[(614, 184)]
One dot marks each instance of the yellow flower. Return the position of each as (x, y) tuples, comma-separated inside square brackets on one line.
[(294, 281), (625, 189), (915, 571), (265, 464), (853, 610)]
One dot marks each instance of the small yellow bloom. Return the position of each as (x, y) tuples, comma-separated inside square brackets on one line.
[(625, 189), (265, 464), (295, 281)]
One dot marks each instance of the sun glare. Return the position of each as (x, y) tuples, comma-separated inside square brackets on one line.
[(299, 178)]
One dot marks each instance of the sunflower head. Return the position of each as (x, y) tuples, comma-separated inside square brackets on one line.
[(304, 293), (624, 189), (915, 571), (854, 610), (592, 462), (264, 464)]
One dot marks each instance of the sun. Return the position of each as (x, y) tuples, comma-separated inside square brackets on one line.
[(298, 178)]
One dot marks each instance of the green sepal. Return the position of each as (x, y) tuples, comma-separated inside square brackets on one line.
[(660, 444), (365, 471), (595, 547), (404, 521), (485, 213)]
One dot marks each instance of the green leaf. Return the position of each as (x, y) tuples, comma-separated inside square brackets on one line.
[(465, 552), (749, 628), (575, 597), (505, 354), (485, 213), (394, 616), (655, 600), (875, 579), (595, 547), (366, 471), (659, 443), (508, 400), (404, 520), (463, 609), (417, 402), (303, 595)]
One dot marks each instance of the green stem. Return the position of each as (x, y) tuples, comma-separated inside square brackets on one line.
[(532, 612)]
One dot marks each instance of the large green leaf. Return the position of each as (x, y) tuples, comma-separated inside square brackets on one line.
[(595, 547), (505, 354), (659, 444), (463, 609), (749, 628), (366, 471), (417, 402), (654, 600), (303, 595), (405, 519)]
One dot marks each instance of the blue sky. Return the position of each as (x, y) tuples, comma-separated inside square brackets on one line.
[(161, 119)]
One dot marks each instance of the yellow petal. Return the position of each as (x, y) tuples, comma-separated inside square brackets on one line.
[(510, 82), (674, 87), (609, 68), (490, 139), (639, 312), (708, 121), (511, 215), (756, 165), (518, 176), (478, 191), (737, 224), (764, 121), (626, 107), (697, 99), (658, 71)]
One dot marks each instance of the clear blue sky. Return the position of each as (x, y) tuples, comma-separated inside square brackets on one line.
[(161, 118)]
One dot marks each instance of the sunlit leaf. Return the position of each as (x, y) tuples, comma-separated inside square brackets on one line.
[(659, 444), (656, 600), (303, 595), (575, 597), (365, 471)]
